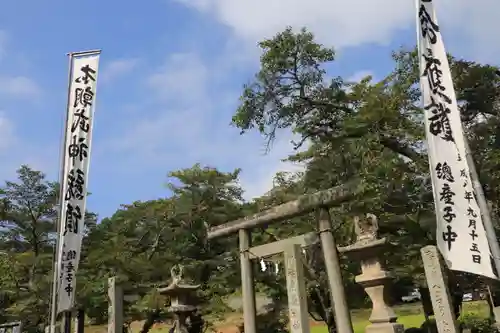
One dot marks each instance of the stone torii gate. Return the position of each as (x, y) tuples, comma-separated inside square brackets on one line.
[(319, 201), (291, 248)]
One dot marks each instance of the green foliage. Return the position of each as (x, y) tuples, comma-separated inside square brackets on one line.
[(477, 324), (368, 131), (470, 321), (26, 241), (141, 242)]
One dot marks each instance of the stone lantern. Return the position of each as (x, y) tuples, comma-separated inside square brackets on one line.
[(373, 278), (182, 299)]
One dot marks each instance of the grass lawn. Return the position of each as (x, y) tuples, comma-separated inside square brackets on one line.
[(359, 324), (410, 315)]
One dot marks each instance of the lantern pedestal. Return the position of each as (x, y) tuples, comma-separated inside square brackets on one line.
[(374, 279), (182, 300)]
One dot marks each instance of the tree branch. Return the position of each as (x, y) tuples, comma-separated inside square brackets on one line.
[(396, 146)]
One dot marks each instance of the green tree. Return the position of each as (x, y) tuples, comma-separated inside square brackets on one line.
[(141, 242), (368, 131), (207, 197), (28, 217), (27, 238)]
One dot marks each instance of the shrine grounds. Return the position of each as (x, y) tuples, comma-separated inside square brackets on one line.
[(410, 315)]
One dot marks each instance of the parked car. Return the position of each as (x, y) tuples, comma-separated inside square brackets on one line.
[(467, 297), (414, 296)]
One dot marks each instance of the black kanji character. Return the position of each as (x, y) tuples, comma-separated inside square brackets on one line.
[(83, 97), (444, 172), (447, 194), (429, 28), (468, 196), (76, 182), (449, 236), (69, 267), (439, 123), (471, 212), (448, 215), (78, 149), (73, 216), (434, 75), (87, 75), (473, 234), (71, 255), (80, 120), (476, 258), (69, 289), (474, 248)]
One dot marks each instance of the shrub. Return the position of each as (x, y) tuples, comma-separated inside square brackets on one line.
[(473, 322), (477, 324)]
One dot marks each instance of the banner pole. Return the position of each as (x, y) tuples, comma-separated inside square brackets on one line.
[(55, 284)]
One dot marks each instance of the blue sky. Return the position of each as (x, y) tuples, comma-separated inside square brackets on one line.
[(171, 72)]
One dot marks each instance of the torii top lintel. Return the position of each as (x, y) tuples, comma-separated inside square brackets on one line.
[(302, 205)]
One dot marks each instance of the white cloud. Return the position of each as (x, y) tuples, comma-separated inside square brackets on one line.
[(180, 83), (258, 179), (193, 127), (118, 68), (16, 86), (181, 137), (474, 26), (182, 78), (338, 22), (350, 23), (193, 109), (188, 119), (19, 87), (14, 152), (31, 157)]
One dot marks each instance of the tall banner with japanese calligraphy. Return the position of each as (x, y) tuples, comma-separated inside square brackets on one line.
[(78, 138), (461, 236)]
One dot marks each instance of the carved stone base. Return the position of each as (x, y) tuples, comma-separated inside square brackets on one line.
[(385, 328), (376, 286)]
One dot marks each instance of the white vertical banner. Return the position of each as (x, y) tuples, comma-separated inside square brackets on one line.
[(461, 236), (78, 139)]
